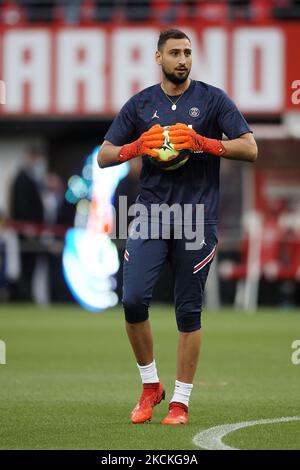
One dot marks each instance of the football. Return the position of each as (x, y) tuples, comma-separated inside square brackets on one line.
[(169, 158)]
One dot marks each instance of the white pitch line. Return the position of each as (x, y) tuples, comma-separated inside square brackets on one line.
[(211, 439)]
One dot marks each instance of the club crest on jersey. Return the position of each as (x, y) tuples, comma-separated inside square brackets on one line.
[(194, 112)]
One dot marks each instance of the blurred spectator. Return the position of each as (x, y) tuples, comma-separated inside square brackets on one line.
[(71, 10), (26, 203), (57, 214), (286, 9), (137, 10), (9, 258), (27, 206), (240, 9), (11, 13), (261, 10), (166, 11), (105, 10), (169, 11), (37, 11), (159, 9), (88, 11), (52, 197), (212, 11)]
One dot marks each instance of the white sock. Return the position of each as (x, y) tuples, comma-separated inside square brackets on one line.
[(148, 373), (182, 392)]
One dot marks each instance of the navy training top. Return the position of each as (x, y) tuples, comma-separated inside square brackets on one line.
[(211, 113)]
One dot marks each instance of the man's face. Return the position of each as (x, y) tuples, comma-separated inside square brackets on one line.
[(175, 59)]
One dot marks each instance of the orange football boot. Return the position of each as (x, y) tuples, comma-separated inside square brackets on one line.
[(178, 414), (151, 396)]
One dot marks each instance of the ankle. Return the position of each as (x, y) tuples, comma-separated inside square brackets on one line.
[(177, 404), (148, 373), (151, 386)]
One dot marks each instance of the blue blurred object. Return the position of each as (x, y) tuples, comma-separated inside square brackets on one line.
[(90, 257)]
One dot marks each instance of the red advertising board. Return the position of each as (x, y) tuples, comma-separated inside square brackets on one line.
[(93, 70)]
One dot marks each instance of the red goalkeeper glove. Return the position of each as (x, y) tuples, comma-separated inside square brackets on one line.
[(144, 145), (185, 137)]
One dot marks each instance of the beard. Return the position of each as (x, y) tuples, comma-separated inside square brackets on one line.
[(174, 78)]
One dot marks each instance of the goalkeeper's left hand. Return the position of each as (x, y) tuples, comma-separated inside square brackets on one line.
[(185, 137)]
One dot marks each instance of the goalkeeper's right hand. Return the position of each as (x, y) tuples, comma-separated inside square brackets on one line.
[(144, 145)]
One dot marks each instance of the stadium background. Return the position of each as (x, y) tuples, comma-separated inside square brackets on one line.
[(66, 68)]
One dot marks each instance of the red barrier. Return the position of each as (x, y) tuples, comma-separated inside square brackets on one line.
[(31, 229)]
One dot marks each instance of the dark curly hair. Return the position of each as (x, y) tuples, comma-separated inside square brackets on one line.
[(170, 34)]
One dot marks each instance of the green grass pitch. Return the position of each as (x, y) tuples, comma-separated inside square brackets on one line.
[(70, 380)]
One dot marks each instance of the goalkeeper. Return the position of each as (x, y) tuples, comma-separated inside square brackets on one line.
[(198, 114)]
